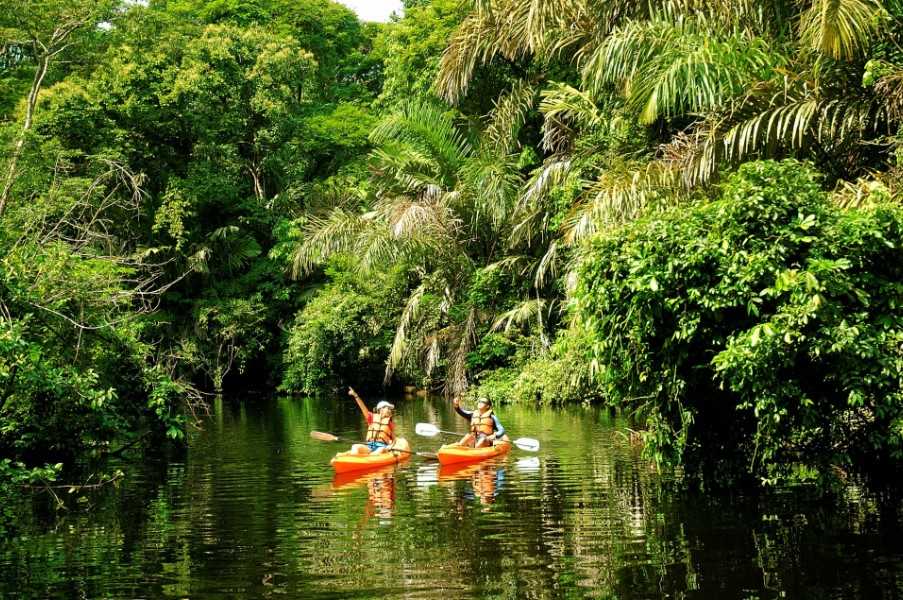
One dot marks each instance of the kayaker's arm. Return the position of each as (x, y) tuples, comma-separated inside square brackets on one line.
[(360, 403), (499, 428), (464, 413)]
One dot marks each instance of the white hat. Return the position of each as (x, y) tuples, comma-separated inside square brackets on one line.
[(383, 404)]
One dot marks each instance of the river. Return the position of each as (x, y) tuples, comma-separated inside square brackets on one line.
[(252, 510)]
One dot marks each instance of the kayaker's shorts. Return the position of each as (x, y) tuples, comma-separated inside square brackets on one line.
[(374, 446)]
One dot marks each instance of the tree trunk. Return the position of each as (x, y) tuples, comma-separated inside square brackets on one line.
[(259, 191), (31, 102)]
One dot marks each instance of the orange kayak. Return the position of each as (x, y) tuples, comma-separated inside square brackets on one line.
[(453, 453), (344, 462), (351, 479)]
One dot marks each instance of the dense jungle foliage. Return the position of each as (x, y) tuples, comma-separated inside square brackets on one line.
[(689, 211)]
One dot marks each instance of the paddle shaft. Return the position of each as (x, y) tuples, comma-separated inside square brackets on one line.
[(437, 430), (430, 430), (328, 437)]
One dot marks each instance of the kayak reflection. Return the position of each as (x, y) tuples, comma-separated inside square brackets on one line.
[(486, 479), (380, 485)]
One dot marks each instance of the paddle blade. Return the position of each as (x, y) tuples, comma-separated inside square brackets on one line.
[(324, 437), (527, 465), (528, 444), (427, 476), (426, 429)]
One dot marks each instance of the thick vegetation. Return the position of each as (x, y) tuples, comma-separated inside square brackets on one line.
[(764, 324), (685, 210)]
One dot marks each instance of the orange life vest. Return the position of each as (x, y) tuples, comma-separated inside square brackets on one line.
[(379, 429), (481, 423)]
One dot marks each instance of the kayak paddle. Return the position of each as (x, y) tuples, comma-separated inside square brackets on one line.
[(430, 430), (328, 437)]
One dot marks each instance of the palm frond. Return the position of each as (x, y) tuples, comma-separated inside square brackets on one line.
[(521, 315), (554, 172), (508, 116), (619, 195), (418, 218), (547, 269), (532, 213), (231, 247), (768, 122), (473, 43), (224, 233), (797, 123), (401, 342), (376, 248), (199, 261), (403, 169), (514, 263), (566, 110), (337, 232), (840, 29), (515, 29), (492, 184), (463, 336), (671, 68), (430, 131), (890, 89)]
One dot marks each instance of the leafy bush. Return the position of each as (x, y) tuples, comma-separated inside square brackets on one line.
[(345, 331), (76, 372), (545, 380), (757, 335)]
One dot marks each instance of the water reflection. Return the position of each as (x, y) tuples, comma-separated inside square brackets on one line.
[(254, 510), (486, 479), (380, 484)]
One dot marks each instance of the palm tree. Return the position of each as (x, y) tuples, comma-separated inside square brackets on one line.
[(714, 83), (442, 208)]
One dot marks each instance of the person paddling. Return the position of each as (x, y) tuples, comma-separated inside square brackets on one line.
[(485, 427), (380, 426)]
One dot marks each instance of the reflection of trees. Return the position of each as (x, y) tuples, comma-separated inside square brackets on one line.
[(81, 551), (252, 512)]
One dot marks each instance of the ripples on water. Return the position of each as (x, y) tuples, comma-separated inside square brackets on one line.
[(254, 510)]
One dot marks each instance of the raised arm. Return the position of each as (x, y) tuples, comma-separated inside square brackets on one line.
[(464, 413), (360, 403)]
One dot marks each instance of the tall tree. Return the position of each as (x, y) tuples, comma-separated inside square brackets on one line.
[(43, 31)]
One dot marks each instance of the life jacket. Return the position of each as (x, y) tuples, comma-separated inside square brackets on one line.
[(481, 423), (380, 429)]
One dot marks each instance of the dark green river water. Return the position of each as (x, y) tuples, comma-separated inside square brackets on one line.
[(252, 510)]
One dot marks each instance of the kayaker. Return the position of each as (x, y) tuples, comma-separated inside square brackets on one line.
[(380, 426), (485, 427)]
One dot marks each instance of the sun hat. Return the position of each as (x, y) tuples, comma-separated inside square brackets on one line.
[(383, 404), (485, 400)]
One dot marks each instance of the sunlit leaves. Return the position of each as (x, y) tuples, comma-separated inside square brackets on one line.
[(840, 28), (724, 311), (669, 68)]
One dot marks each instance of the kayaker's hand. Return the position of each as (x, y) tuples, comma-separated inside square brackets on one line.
[(351, 392), (456, 402)]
